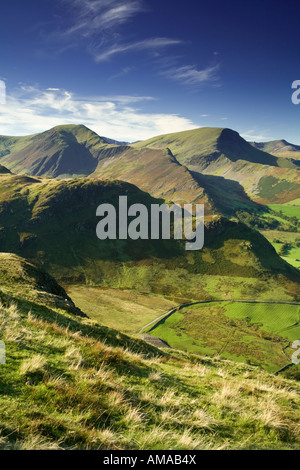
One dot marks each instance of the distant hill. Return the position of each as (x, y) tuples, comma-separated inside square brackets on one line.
[(61, 151), (280, 148), (222, 152), (201, 147), (212, 165)]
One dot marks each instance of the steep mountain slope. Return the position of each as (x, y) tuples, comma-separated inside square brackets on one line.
[(76, 150), (222, 152), (53, 223), (159, 173), (191, 146), (59, 152), (154, 171)]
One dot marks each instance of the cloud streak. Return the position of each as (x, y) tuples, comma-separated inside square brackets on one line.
[(147, 44), (96, 25), (30, 110), (92, 16), (191, 76)]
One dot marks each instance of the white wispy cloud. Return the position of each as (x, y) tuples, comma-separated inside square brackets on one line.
[(96, 24), (190, 75), (147, 44), (90, 17), (30, 109)]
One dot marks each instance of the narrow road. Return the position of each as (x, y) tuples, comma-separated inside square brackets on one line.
[(179, 307), (157, 320)]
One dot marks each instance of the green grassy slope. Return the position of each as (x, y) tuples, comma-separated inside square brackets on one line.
[(222, 152), (286, 209), (123, 309), (70, 383), (53, 223), (286, 245)]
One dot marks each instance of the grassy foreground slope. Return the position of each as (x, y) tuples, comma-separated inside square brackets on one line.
[(54, 222), (69, 383), (223, 153)]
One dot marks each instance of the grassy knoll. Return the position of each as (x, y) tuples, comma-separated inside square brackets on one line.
[(253, 333)]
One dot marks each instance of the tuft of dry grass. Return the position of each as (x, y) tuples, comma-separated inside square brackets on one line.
[(35, 364)]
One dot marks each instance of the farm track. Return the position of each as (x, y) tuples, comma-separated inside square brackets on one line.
[(154, 323)]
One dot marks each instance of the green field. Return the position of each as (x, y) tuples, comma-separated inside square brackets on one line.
[(246, 332), (287, 210), (279, 238)]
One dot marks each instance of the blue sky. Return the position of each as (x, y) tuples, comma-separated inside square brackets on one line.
[(132, 69)]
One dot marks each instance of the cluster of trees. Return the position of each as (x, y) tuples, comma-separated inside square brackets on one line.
[(258, 222), (284, 249)]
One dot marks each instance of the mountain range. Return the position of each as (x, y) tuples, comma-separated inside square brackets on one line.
[(210, 165)]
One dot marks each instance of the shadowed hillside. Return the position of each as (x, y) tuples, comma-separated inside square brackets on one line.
[(53, 223)]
